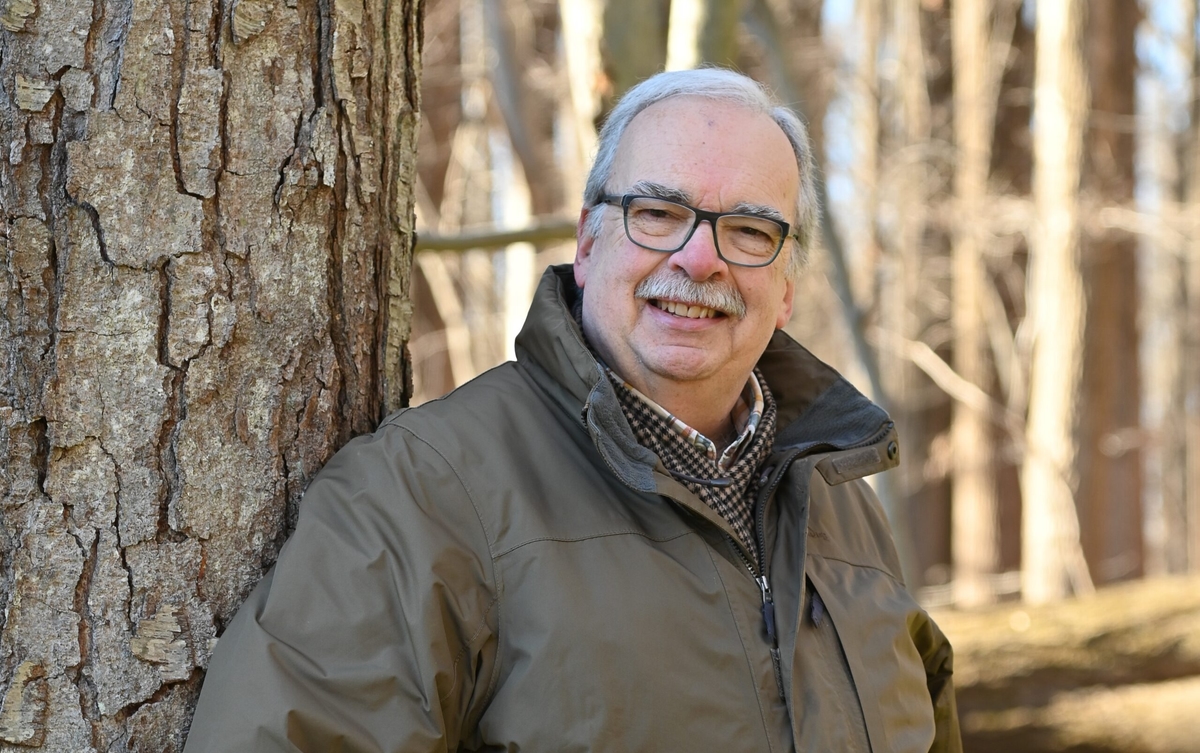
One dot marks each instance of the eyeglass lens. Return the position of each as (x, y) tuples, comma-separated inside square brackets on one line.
[(662, 225)]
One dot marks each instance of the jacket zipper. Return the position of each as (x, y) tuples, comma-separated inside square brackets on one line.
[(768, 614), (759, 573)]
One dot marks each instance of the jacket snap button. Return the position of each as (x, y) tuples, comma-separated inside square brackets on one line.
[(893, 450)]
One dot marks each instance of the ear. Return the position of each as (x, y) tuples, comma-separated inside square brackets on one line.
[(785, 312), (583, 249)]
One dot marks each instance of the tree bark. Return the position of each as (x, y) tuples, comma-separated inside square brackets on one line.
[(1052, 560), (207, 237)]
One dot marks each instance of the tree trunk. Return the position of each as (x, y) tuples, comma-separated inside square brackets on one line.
[(207, 237), (702, 31), (1011, 176), (976, 536), (1163, 278), (1110, 459), (582, 22), (634, 44), (1190, 344), (866, 126), (1052, 560), (525, 94), (909, 246)]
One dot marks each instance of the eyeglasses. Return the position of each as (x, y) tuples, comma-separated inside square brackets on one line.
[(747, 240)]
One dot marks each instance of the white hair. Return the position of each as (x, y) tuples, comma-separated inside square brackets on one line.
[(723, 86)]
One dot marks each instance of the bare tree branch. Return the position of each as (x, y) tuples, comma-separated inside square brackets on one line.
[(543, 230)]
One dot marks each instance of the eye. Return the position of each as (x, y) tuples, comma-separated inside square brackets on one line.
[(657, 211), (749, 228), (751, 232), (652, 213)]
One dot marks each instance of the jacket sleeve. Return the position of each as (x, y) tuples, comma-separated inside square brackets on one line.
[(938, 657), (376, 629)]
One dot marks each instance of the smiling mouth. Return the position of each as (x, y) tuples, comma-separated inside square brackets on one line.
[(686, 310)]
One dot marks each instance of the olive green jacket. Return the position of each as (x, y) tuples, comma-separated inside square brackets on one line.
[(507, 569)]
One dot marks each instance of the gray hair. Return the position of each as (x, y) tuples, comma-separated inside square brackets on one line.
[(723, 86)]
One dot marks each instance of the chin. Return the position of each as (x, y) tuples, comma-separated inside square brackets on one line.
[(685, 369)]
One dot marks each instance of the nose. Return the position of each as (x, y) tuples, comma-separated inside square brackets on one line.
[(699, 258)]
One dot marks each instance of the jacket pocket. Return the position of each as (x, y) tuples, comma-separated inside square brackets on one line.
[(828, 707), (872, 617)]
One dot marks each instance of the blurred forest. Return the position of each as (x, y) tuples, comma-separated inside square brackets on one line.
[(1010, 265)]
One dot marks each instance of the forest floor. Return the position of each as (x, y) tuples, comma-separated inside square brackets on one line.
[(1114, 672)]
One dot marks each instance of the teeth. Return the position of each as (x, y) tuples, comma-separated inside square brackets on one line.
[(682, 309)]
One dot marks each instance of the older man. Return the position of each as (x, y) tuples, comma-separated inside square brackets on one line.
[(648, 533)]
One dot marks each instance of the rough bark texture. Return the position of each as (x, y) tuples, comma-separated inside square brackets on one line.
[(207, 216), (1116, 672)]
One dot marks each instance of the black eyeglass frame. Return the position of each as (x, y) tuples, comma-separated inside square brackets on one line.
[(701, 215)]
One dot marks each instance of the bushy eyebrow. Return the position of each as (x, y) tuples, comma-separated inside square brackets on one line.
[(659, 191), (759, 210)]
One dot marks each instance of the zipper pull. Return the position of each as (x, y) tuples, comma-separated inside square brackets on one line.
[(768, 609)]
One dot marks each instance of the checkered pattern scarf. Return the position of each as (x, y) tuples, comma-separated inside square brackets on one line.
[(660, 434)]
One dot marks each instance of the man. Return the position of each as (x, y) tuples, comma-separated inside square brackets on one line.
[(649, 533)]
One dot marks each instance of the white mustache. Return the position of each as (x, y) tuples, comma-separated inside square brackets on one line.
[(720, 296)]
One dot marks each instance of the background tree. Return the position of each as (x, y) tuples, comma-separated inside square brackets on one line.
[(976, 539), (702, 31), (1190, 339), (207, 231), (1109, 467), (1052, 558)]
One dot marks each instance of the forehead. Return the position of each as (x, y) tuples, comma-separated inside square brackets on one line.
[(718, 153)]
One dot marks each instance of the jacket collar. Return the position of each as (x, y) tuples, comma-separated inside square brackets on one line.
[(818, 410)]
